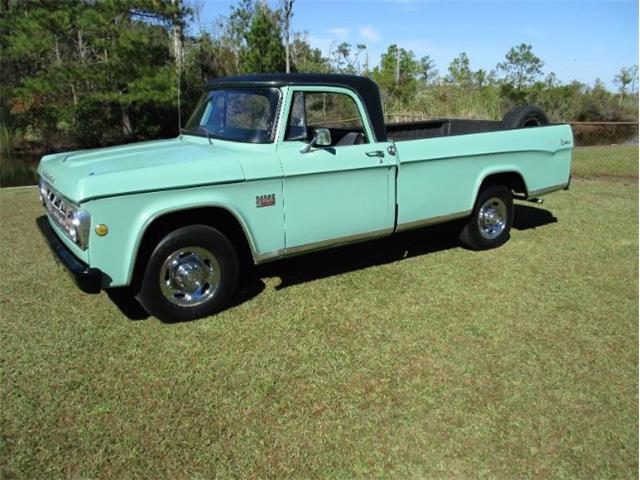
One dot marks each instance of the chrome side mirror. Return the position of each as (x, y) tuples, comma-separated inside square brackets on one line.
[(321, 138)]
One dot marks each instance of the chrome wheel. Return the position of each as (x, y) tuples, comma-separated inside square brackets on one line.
[(492, 218), (189, 276)]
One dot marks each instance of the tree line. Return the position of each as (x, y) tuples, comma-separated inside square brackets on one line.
[(88, 73)]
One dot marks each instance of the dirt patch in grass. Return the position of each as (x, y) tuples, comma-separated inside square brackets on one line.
[(625, 180)]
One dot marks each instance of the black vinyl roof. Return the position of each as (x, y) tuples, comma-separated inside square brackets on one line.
[(365, 88)]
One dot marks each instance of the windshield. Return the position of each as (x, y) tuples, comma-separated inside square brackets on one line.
[(241, 115)]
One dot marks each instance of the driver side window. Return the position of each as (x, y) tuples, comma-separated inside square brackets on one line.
[(337, 112)]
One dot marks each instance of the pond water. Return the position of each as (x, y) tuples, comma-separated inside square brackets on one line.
[(18, 170), (589, 135)]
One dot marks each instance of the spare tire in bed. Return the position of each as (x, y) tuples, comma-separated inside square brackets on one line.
[(524, 117)]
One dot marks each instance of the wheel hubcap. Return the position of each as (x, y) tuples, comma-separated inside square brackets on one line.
[(492, 218), (189, 276)]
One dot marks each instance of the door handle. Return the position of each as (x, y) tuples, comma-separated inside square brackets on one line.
[(376, 153)]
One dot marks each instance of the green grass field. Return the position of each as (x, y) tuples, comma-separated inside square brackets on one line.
[(404, 358), (606, 161)]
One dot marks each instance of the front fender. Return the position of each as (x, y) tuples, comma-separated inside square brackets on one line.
[(128, 218)]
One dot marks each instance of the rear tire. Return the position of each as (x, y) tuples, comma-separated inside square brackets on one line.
[(525, 117), (192, 273), (491, 219)]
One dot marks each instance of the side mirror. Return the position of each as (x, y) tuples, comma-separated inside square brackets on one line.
[(321, 138)]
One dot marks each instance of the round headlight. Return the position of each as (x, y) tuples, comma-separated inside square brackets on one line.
[(82, 226), (78, 226), (72, 224), (42, 188)]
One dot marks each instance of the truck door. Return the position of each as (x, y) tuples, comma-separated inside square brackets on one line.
[(339, 193)]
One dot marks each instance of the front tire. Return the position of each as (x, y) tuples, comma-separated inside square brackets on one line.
[(491, 219), (192, 273)]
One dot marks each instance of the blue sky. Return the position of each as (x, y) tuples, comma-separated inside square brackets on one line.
[(581, 40)]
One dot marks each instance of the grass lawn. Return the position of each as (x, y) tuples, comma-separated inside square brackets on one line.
[(606, 161), (405, 357)]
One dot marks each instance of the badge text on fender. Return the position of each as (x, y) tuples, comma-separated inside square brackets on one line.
[(265, 200)]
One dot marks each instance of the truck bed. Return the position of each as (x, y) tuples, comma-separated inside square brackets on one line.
[(443, 127), (441, 169)]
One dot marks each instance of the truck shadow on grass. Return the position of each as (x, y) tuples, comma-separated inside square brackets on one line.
[(336, 261), (527, 217)]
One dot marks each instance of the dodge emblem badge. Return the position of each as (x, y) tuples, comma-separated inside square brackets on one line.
[(265, 200)]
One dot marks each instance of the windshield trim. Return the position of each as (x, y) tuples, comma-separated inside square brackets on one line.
[(274, 128)]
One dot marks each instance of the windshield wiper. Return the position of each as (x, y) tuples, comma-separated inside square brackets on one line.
[(200, 127)]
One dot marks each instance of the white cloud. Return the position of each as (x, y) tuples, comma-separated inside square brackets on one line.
[(339, 33), (369, 33)]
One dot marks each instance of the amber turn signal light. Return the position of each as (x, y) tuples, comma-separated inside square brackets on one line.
[(102, 230)]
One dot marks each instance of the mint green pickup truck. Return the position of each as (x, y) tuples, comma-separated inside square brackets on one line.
[(275, 165)]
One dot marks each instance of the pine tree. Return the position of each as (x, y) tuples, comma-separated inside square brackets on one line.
[(521, 67), (93, 68), (398, 72), (265, 52), (460, 70)]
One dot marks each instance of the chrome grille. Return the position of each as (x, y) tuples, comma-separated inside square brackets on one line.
[(55, 204)]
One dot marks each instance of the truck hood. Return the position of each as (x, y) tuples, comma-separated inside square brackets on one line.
[(139, 167)]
